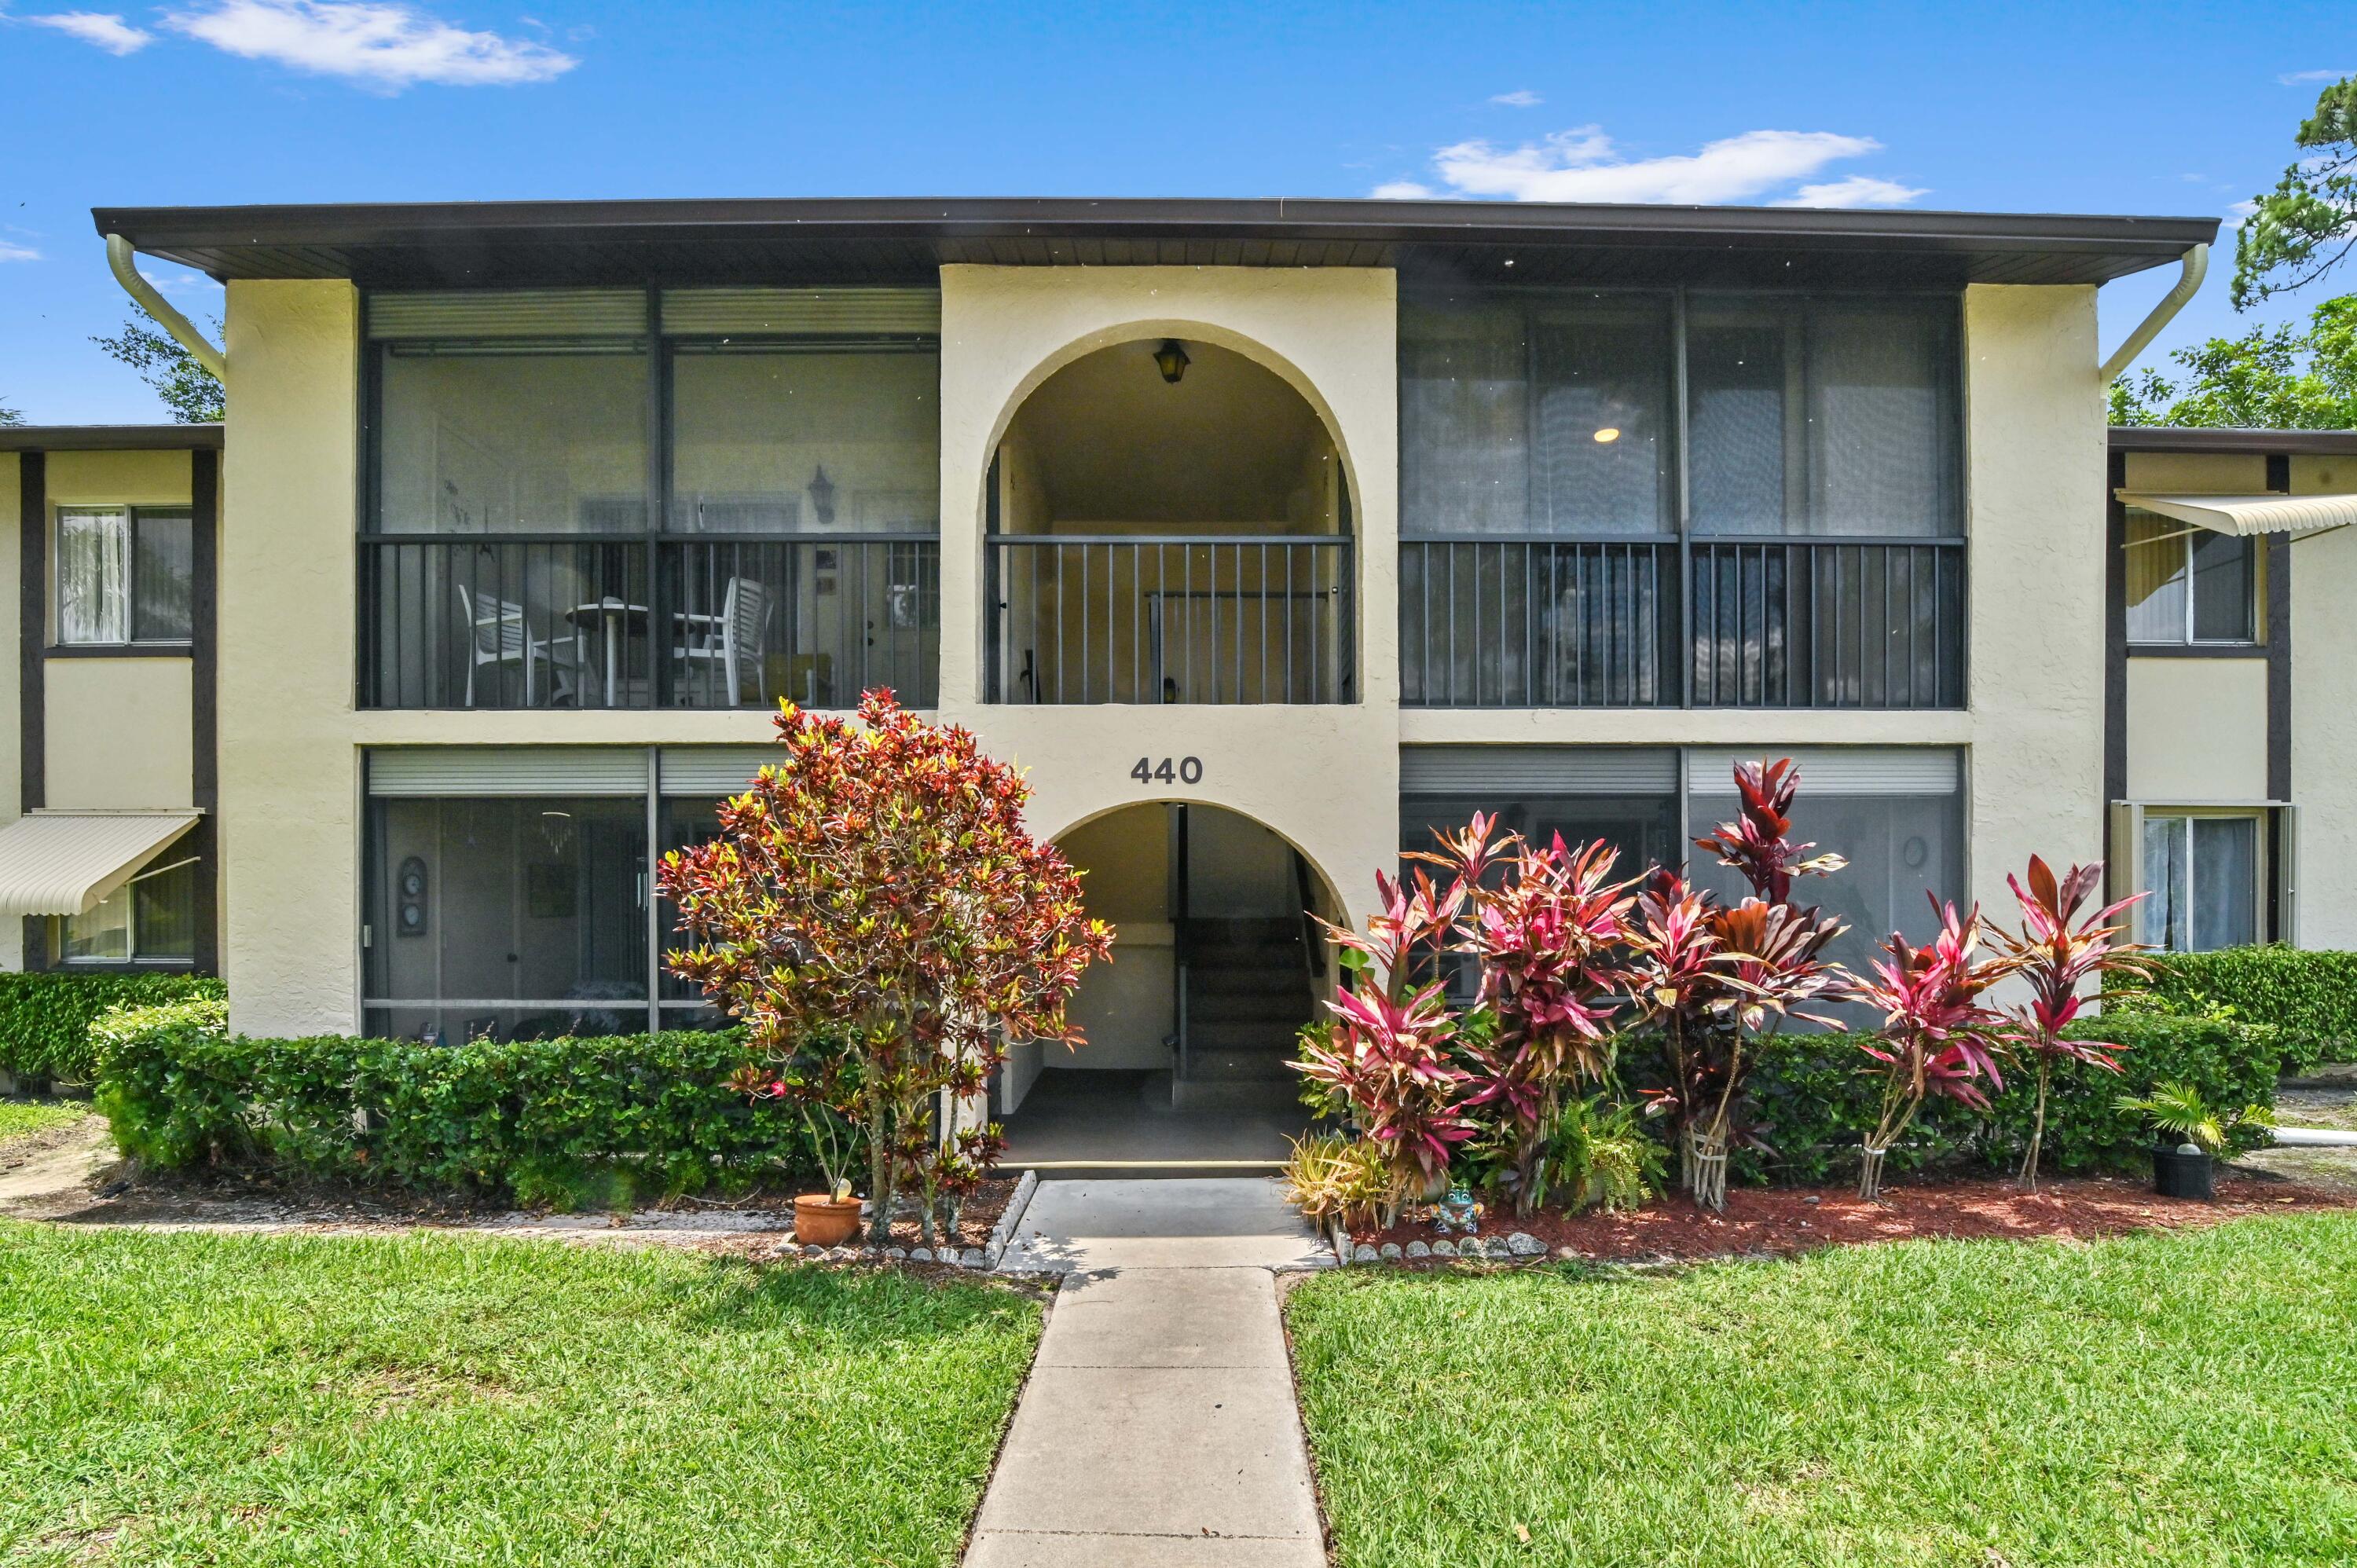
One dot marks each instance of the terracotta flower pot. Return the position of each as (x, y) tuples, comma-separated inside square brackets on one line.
[(823, 1222)]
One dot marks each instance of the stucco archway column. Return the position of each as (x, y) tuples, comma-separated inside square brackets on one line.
[(1325, 777)]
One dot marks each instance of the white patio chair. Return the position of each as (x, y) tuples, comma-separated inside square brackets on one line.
[(498, 635), (736, 640)]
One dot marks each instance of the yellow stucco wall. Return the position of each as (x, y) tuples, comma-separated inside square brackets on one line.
[(2197, 730), (289, 771), (1326, 777), (117, 732)]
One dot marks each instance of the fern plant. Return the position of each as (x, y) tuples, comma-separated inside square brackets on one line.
[(2178, 1111)]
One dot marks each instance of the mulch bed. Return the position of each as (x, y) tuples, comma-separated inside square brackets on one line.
[(1781, 1222)]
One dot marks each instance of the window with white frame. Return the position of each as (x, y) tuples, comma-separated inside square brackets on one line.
[(151, 918), (2188, 585), (2203, 878), (124, 575)]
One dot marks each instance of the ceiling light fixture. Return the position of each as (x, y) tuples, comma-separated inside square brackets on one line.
[(1609, 435), (1172, 359)]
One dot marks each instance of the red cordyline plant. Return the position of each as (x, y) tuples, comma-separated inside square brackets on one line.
[(1547, 935), (2057, 952), (1938, 1038), (1714, 978), (876, 885), (1387, 1049)]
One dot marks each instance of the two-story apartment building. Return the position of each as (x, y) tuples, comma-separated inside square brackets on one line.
[(1263, 533), (109, 537), (2230, 757)]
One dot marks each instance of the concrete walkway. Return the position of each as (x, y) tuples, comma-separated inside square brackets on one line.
[(1158, 1426)]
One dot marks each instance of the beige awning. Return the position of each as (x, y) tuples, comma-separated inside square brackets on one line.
[(2243, 516), (68, 862)]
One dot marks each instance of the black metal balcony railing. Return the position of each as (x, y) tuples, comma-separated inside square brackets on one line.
[(1201, 619), (565, 620), (1706, 622)]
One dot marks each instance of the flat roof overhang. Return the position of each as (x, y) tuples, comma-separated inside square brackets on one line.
[(2224, 439), (904, 240), (110, 437)]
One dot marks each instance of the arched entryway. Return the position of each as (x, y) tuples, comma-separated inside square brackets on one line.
[(1218, 962), (1169, 520)]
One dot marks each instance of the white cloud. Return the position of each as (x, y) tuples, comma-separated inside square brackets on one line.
[(1582, 165), (1401, 190), (15, 252), (2293, 78), (1520, 97), (105, 30), (380, 45), (1858, 191)]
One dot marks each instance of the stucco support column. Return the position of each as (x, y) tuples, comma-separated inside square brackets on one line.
[(289, 770), (2034, 442)]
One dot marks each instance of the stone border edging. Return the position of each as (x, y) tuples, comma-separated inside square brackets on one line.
[(1008, 1218)]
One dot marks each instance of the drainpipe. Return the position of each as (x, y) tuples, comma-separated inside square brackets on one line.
[(123, 260), (2197, 266)]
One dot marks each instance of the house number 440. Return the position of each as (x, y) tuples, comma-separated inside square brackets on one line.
[(1185, 770)]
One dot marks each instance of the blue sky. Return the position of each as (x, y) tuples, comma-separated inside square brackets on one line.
[(2147, 108)]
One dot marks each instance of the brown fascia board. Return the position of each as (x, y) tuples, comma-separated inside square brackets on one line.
[(110, 437), (2228, 439), (271, 238)]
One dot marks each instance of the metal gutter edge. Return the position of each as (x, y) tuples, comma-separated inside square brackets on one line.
[(2196, 267), (124, 262)]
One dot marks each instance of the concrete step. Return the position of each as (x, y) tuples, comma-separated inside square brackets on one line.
[(1255, 976), (1234, 1094), (1202, 929), (1247, 1007), (1208, 1038)]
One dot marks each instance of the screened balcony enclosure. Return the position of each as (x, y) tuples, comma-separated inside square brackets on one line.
[(1656, 499), (628, 499), (1152, 540)]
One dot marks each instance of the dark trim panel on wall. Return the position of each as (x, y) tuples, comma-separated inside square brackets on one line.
[(204, 712), (2278, 581), (2116, 643), (32, 631)]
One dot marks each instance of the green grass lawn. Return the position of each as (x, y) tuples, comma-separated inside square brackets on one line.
[(2178, 1399), (20, 1117), (191, 1399)]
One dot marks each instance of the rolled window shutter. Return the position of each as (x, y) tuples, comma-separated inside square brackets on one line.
[(1538, 770), (847, 311), (554, 770), (508, 313), (712, 769), (1836, 770)]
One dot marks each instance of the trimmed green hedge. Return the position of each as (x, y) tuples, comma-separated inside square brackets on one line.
[(1813, 1102), (45, 1018), (2311, 996), (569, 1122)]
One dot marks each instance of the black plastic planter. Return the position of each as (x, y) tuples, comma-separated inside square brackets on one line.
[(2176, 1174)]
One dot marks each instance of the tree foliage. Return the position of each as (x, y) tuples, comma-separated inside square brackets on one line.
[(876, 915), (2305, 227), (190, 391), (2284, 378), (9, 416)]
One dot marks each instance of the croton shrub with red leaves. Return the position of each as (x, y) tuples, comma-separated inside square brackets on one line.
[(1573, 968), (876, 916)]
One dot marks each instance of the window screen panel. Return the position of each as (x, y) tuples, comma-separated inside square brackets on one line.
[(2155, 554), (2225, 587), (1605, 462), (513, 442), (1464, 418), (1882, 419), (2225, 882), (93, 577), (847, 440), (1741, 363), (163, 560)]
